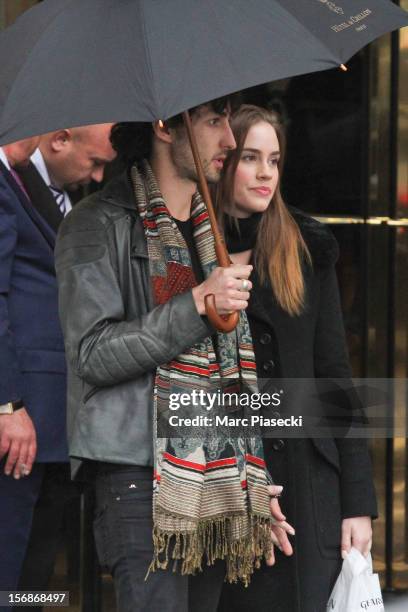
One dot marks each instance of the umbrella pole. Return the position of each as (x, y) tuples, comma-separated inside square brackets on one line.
[(224, 323)]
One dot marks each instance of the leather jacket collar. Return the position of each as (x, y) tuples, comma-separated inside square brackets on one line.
[(119, 191)]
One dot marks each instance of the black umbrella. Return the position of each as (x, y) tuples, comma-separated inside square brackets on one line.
[(74, 62)]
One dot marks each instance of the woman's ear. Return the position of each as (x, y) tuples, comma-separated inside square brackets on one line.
[(161, 131)]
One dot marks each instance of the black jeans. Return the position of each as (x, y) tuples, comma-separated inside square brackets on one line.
[(123, 536)]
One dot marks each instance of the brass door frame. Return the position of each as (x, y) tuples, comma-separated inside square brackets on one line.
[(385, 232), (399, 559)]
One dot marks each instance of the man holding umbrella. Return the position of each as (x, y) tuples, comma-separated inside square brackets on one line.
[(134, 265)]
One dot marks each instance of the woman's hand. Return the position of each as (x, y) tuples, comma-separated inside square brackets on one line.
[(281, 528), (356, 532)]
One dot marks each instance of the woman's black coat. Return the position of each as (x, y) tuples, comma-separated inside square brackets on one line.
[(325, 480)]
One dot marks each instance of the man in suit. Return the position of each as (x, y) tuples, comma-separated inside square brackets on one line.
[(32, 360), (18, 440)]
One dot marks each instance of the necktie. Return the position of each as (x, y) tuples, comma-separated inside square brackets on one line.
[(19, 182), (59, 196)]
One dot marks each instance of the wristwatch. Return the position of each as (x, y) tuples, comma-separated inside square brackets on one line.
[(11, 407)]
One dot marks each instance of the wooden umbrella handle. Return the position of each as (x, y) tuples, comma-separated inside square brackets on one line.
[(224, 323)]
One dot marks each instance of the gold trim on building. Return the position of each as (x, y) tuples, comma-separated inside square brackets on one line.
[(403, 222)]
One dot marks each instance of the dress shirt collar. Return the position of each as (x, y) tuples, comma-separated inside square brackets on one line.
[(4, 159), (38, 161)]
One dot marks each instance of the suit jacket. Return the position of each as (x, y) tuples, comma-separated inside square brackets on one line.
[(41, 196), (32, 361)]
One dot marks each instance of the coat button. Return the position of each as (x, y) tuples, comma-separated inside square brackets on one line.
[(278, 445), (265, 338), (268, 366)]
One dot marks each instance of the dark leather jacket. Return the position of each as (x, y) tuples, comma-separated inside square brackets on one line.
[(114, 336)]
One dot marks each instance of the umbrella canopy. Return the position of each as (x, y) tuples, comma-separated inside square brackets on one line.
[(75, 62)]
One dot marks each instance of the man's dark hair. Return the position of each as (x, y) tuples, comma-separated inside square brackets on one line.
[(133, 141)]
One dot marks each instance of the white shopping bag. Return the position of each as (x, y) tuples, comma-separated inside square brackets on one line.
[(357, 589)]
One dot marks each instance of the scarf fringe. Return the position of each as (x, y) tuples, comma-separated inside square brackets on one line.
[(211, 540)]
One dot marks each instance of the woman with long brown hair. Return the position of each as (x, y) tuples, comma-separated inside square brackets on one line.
[(297, 329)]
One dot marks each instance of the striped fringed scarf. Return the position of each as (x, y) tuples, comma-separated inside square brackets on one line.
[(210, 499)]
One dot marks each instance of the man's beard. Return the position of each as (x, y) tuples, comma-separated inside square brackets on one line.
[(183, 160)]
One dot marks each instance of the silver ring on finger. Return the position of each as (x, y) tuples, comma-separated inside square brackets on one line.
[(245, 285)]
